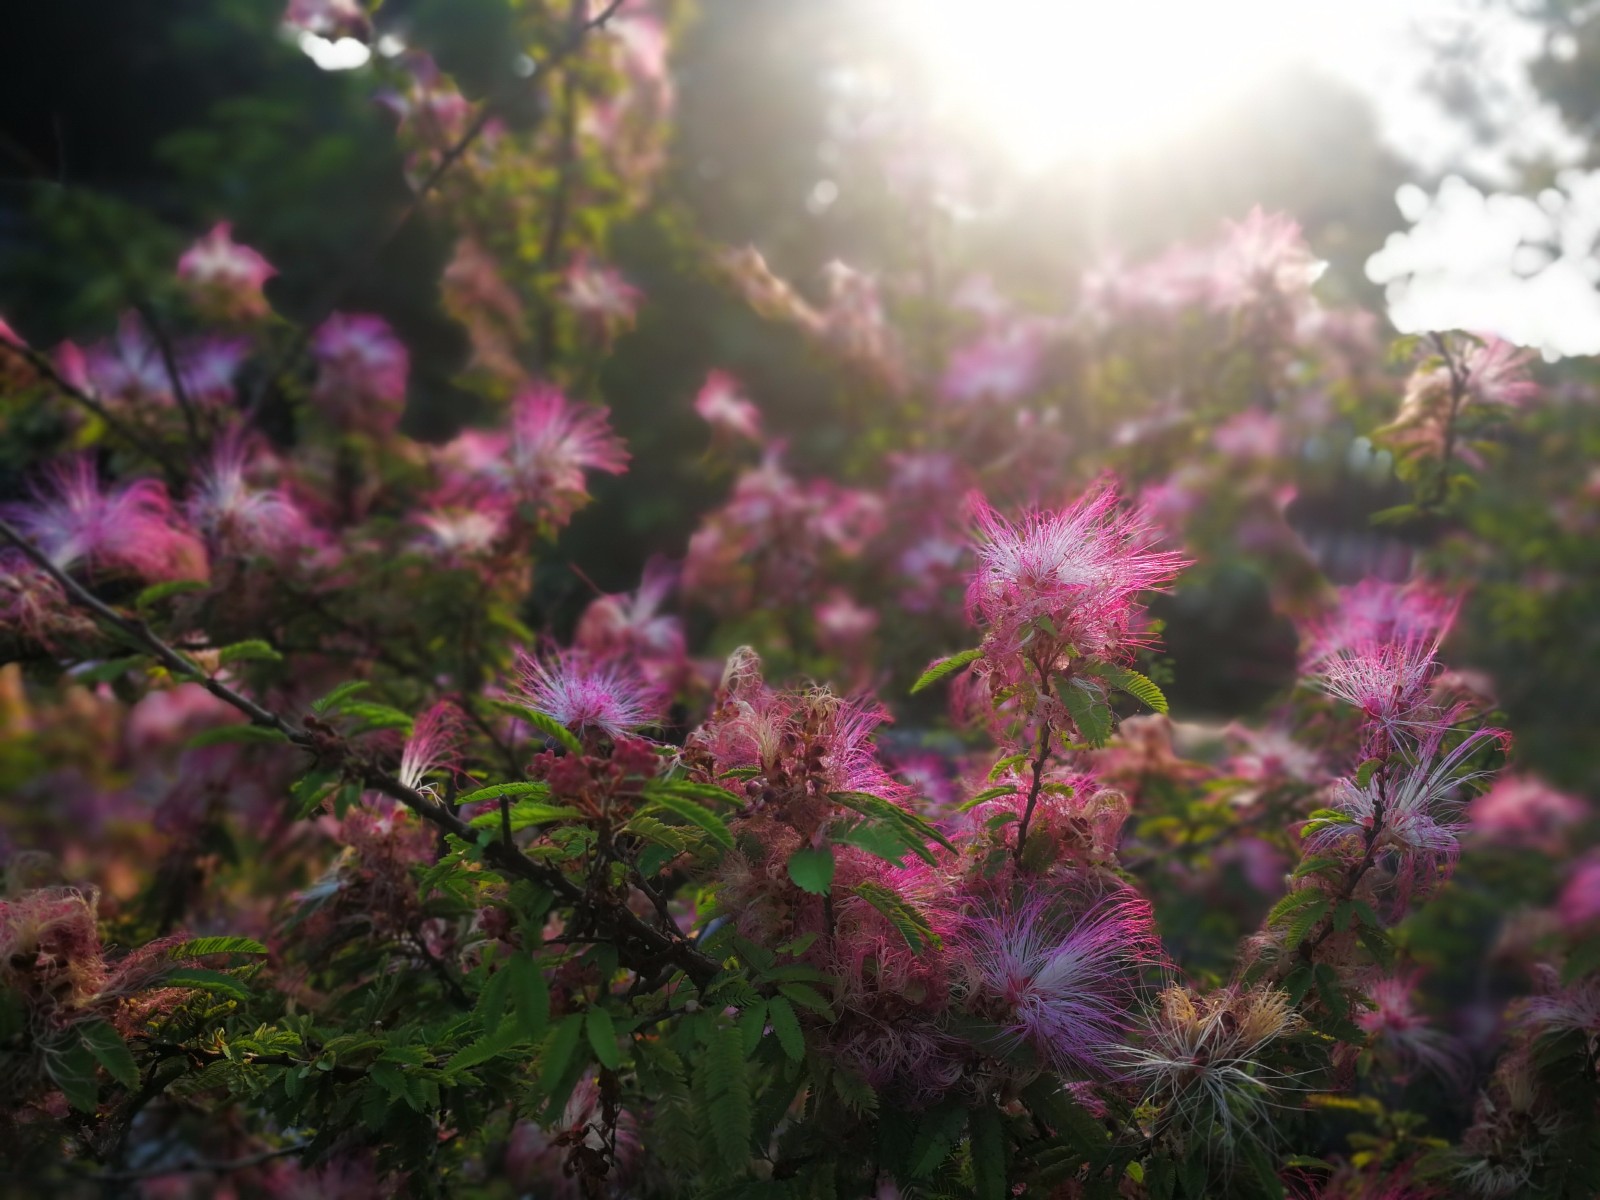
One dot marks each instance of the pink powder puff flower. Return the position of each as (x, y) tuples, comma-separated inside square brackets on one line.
[(586, 696), (362, 369), (130, 367), (225, 277), (1389, 682), (240, 519), (1416, 807), (1375, 611), (843, 626), (722, 405), (1060, 979), (434, 744), (75, 521), (554, 441), (600, 295), (1263, 258), (1496, 373), (1525, 810), (632, 626), (1081, 568), (1398, 1030), (542, 461), (855, 324), (328, 18), (457, 534), (1579, 905), (1000, 367), (1250, 435)]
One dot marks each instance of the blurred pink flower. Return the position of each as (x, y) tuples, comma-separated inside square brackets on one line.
[(600, 295), (1523, 809), (362, 369), (723, 406), (225, 277), (75, 521)]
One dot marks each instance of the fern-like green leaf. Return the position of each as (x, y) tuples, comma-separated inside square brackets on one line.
[(910, 923), (200, 947), (544, 723), (695, 814), (1140, 687), (723, 1085), (112, 1053), (943, 667)]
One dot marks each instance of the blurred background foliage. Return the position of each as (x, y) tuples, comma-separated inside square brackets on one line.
[(126, 130)]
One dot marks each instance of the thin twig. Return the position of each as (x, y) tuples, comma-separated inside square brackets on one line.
[(196, 1166), (169, 359), (42, 364)]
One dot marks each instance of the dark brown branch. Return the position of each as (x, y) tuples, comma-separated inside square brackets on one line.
[(640, 945), (197, 1166), (169, 359)]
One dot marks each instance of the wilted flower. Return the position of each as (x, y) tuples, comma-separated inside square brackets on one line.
[(1201, 1059)]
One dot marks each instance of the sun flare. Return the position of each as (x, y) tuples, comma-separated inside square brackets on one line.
[(1071, 79)]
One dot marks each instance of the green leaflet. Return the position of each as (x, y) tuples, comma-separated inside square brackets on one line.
[(1090, 713), (335, 699), (602, 1033), (988, 1153), (513, 790), (1131, 682), (812, 870), (911, 924), (696, 814), (786, 1027), (722, 1087), (544, 723), (206, 981), (943, 667), (918, 830), (108, 1048), (252, 650), (200, 947)]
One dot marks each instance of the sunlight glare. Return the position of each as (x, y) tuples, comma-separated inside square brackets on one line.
[(1063, 79)]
